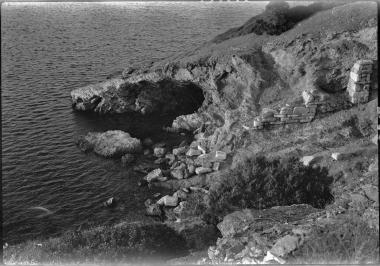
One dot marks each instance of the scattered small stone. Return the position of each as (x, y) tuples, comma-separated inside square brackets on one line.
[(177, 173), (154, 210), (110, 202), (153, 175), (193, 152), (307, 160), (185, 189), (179, 151), (202, 170), (169, 201), (146, 152), (191, 169), (220, 155), (127, 159), (159, 151)]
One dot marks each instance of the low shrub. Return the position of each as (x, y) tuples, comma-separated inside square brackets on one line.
[(261, 183), (130, 242)]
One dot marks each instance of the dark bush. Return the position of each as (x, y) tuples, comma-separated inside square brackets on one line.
[(261, 183)]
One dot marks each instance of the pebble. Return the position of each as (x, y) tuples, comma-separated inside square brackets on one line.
[(202, 170), (180, 150), (193, 152), (159, 151), (169, 201), (177, 173), (153, 175)]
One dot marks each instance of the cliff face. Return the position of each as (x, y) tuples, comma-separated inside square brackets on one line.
[(232, 81)]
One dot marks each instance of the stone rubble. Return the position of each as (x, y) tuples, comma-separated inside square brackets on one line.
[(153, 175), (358, 92), (193, 152)]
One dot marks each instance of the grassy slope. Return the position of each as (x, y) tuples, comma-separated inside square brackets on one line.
[(349, 17)]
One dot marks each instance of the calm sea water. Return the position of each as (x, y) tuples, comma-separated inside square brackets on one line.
[(48, 49)]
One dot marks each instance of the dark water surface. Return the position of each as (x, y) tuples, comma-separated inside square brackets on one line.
[(48, 49)]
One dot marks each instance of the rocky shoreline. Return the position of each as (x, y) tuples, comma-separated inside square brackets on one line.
[(226, 95)]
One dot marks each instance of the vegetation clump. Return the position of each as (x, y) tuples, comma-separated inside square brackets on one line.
[(260, 183), (129, 242)]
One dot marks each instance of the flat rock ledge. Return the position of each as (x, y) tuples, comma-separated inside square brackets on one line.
[(112, 143)]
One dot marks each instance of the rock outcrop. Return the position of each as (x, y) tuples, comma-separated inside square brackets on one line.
[(112, 143), (232, 81)]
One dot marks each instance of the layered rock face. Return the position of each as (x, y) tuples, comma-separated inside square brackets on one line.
[(145, 95)]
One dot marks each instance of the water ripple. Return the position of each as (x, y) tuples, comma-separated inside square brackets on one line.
[(49, 49)]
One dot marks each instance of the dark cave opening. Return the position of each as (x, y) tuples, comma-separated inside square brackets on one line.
[(159, 104)]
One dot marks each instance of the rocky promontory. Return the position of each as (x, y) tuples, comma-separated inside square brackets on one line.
[(283, 162)]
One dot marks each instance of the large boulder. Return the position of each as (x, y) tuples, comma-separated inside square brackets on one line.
[(188, 122), (238, 221), (112, 143)]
